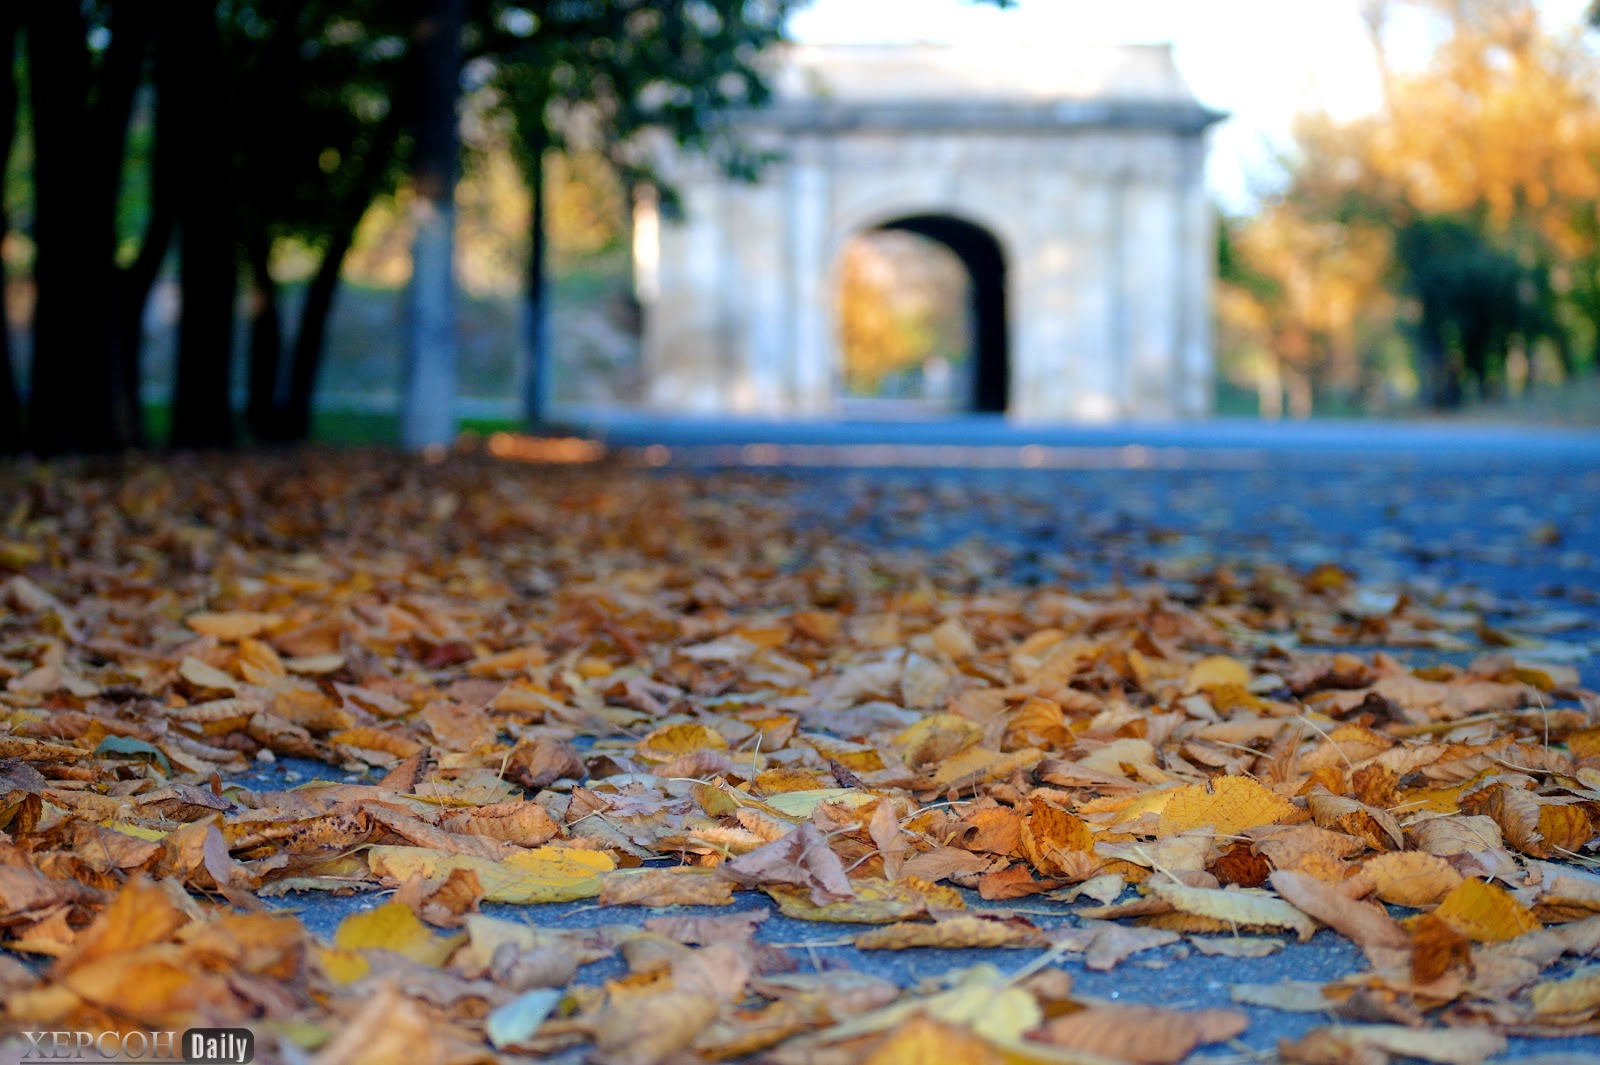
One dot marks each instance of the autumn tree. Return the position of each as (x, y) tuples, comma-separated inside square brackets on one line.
[(1465, 210)]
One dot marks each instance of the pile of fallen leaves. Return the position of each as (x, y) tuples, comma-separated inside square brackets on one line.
[(655, 690)]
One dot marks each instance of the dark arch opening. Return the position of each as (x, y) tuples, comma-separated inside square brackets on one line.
[(988, 338)]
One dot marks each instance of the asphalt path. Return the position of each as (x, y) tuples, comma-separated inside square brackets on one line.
[(1503, 522)]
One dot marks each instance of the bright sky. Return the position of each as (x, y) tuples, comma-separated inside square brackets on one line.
[(1262, 61)]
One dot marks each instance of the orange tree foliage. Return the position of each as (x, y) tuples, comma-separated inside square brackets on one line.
[(1461, 219)]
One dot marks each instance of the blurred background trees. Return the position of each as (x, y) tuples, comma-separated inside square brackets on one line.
[(238, 173), (1443, 250), (241, 144)]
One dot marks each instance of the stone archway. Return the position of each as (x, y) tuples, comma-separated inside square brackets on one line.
[(1072, 191), (984, 359)]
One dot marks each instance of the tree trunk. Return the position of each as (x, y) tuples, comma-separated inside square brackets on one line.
[(135, 281), (72, 385), (427, 415), (290, 421), (538, 372), (121, 72), (1440, 388), (10, 401), (202, 408), (266, 338), (310, 339)]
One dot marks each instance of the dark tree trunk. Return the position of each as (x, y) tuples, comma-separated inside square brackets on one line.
[(289, 421), (1440, 389), (10, 401), (536, 384), (135, 281), (266, 338), (111, 112), (73, 386), (202, 409), (310, 339)]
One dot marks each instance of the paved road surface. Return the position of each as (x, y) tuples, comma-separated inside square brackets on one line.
[(1483, 519)]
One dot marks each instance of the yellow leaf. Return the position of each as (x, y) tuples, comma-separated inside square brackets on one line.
[(962, 930), (367, 738), (1228, 804), (1578, 994), (343, 966), (1216, 672), (983, 1001), (669, 741), (801, 803), (540, 874), (394, 927), (509, 663), (1485, 912)]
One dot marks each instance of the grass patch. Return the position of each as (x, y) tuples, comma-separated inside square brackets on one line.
[(337, 427)]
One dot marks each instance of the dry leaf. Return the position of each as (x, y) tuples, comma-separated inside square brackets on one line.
[(1242, 908), (1484, 912), (1147, 1035), (874, 901), (1228, 804), (962, 930), (544, 874), (1449, 1046), (1368, 925), (665, 887)]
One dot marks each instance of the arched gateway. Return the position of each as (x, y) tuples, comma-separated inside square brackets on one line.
[(1069, 185)]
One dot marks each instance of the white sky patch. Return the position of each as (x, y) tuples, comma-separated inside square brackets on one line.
[(1262, 61)]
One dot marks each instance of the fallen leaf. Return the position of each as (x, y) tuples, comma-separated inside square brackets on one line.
[(962, 930), (874, 901), (1410, 878), (1365, 924), (665, 887), (800, 859), (1245, 908), (1228, 804), (394, 927), (1484, 912), (543, 874), (1147, 1035), (1449, 1046)]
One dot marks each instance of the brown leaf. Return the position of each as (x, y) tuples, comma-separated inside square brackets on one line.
[(1362, 922), (645, 1029), (1146, 1035), (666, 887), (1436, 949), (801, 858), (523, 823)]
